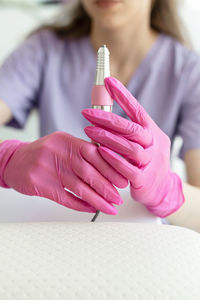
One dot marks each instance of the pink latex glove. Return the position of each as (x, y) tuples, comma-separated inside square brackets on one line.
[(144, 151), (47, 165)]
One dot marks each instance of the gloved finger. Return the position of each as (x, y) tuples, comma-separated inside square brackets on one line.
[(73, 202), (117, 124), (92, 156), (131, 172), (127, 102), (130, 150), (51, 189), (95, 180), (87, 194)]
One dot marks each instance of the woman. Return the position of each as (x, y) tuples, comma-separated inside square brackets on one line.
[(54, 70)]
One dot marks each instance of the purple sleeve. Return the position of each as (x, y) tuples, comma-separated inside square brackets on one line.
[(189, 122), (20, 77)]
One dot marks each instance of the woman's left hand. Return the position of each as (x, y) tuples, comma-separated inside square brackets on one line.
[(138, 149)]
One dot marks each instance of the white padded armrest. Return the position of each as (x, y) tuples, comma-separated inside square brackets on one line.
[(96, 261)]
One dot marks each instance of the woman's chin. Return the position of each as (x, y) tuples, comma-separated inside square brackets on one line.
[(110, 24)]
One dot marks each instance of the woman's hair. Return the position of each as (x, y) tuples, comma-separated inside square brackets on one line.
[(163, 19)]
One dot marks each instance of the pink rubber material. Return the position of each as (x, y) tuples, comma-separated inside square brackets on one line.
[(100, 96), (7, 148), (57, 161), (138, 149)]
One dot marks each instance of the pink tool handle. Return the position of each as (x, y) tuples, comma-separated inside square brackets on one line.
[(100, 96)]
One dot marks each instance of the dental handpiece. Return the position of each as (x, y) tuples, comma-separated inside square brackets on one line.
[(101, 99)]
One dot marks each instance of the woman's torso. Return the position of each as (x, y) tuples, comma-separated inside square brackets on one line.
[(69, 75)]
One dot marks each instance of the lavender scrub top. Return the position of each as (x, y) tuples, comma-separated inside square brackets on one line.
[(57, 76)]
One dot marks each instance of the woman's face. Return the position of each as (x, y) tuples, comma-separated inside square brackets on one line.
[(116, 13)]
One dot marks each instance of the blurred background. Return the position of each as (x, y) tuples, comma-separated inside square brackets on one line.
[(17, 19)]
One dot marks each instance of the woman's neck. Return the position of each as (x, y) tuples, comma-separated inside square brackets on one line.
[(127, 46)]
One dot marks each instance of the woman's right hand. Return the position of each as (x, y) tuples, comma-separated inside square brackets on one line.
[(57, 161)]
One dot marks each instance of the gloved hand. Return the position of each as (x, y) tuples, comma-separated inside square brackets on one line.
[(47, 165), (144, 151)]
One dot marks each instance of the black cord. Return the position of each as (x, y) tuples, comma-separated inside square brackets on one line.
[(95, 216)]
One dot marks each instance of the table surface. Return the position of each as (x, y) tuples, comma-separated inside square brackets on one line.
[(15, 207)]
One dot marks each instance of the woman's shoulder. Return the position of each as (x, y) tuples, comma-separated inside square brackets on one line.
[(181, 56), (44, 37), (35, 42), (52, 44), (50, 37)]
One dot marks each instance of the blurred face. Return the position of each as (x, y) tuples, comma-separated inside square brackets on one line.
[(115, 13)]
